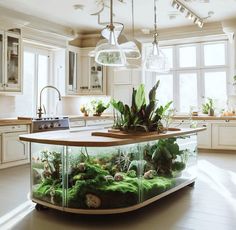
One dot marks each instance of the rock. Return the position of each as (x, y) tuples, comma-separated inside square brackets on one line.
[(92, 201), (81, 167), (109, 178), (118, 177), (131, 173), (150, 174)]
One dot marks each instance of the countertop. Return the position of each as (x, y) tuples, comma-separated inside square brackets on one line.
[(14, 121), (204, 117), (85, 138)]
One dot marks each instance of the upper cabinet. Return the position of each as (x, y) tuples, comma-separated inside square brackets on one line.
[(10, 59), (85, 76)]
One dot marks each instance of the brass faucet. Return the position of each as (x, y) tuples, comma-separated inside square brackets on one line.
[(40, 112)]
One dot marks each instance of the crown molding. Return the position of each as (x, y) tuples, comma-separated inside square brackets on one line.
[(12, 19)]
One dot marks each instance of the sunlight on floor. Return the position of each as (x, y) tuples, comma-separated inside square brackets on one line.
[(11, 218), (216, 177)]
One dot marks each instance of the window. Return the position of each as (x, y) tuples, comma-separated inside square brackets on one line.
[(187, 86), (36, 76), (187, 56), (198, 71)]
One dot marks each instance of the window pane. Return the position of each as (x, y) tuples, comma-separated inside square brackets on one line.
[(214, 54), (169, 54), (43, 79), (165, 89), (187, 56), (187, 91), (215, 88)]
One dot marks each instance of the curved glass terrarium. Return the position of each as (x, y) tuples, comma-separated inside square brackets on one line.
[(111, 178)]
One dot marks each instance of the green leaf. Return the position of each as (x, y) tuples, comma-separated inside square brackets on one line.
[(152, 93), (140, 99)]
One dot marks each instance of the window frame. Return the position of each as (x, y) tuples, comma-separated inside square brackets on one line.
[(200, 68)]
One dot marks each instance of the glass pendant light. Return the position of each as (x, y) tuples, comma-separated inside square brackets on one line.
[(110, 53), (156, 61)]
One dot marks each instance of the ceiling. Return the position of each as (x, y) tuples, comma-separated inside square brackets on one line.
[(63, 12)]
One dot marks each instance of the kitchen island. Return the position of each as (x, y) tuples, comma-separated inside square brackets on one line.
[(105, 173)]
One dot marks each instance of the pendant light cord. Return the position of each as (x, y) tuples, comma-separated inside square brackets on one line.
[(133, 18), (155, 22), (111, 16)]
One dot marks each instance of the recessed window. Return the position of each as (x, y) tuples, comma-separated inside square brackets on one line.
[(187, 56), (188, 91), (214, 54), (215, 87), (165, 89)]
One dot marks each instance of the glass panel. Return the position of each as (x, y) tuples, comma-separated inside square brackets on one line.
[(72, 71), (12, 60), (1, 58), (187, 56), (96, 76), (43, 77), (214, 54), (165, 89), (215, 88), (26, 100), (111, 177), (187, 91), (169, 54), (47, 173)]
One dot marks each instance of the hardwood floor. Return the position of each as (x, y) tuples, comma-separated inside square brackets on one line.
[(211, 204)]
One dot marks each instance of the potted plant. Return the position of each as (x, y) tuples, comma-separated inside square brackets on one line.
[(208, 107), (141, 115), (85, 110), (98, 107)]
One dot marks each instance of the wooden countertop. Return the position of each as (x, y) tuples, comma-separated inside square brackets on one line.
[(14, 121), (84, 138), (78, 117), (204, 117)]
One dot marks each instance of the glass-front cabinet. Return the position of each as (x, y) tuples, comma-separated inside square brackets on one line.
[(85, 76), (10, 47), (72, 72), (106, 179)]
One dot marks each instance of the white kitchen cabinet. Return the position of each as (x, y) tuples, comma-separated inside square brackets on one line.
[(13, 151), (224, 135), (204, 137), (123, 82), (11, 61), (92, 80), (84, 75), (73, 70), (12, 148)]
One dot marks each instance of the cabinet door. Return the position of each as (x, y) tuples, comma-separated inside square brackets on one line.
[(97, 78), (72, 72), (83, 81), (123, 93), (224, 136), (1, 61), (204, 137), (122, 76), (13, 62), (12, 148)]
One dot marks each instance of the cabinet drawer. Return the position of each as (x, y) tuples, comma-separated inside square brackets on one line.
[(78, 123), (100, 122), (13, 128)]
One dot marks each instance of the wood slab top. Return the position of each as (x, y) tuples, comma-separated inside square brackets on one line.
[(85, 138), (14, 121), (204, 117)]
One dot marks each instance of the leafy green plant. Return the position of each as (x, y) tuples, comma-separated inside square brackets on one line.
[(208, 106), (163, 156), (98, 107), (141, 115)]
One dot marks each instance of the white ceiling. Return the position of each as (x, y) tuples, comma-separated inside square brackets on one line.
[(63, 12)]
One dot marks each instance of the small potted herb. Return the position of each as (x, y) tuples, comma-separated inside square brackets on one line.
[(98, 107), (85, 110), (208, 107)]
